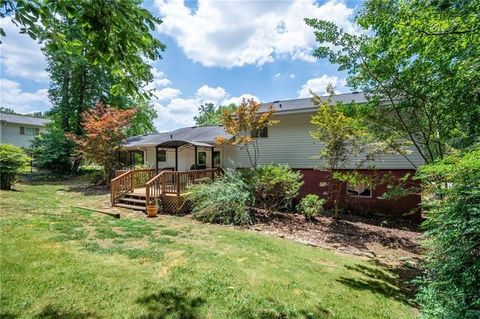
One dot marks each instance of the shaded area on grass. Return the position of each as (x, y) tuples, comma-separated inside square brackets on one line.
[(89, 190), (378, 281), (170, 303), (51, 312)]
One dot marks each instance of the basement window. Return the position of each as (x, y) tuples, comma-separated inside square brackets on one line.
[(359, 190)]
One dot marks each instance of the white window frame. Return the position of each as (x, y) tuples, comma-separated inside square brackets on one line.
[(360, 187), (28, 131)]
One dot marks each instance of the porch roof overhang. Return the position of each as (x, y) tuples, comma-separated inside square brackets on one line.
[(196, 136), (180, 143)]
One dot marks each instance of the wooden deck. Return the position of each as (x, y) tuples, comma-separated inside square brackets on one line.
[(141, 192), (136, 189)]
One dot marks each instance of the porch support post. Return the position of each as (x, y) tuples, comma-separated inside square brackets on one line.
[(176, 158), (212, 162), (196, 154), (156, 159)]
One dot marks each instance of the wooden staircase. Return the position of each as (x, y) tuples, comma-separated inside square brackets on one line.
[(135, 189), (132, 201)]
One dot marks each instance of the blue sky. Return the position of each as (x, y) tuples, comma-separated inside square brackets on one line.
[(217, 51)]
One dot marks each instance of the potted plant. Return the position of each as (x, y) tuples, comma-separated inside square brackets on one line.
[(152, 209)]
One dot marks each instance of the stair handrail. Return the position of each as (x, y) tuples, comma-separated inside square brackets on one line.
[(179, 180), (121, 185), (149, 183)]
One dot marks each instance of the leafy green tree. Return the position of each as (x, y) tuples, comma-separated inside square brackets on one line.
[(244, 124), (7, 110), (142, 121), (114, 34), (209, 114), (450, 287), (345, 145), (12, 160), (53, 151), (418, 63), (104, 136), (95, 51)]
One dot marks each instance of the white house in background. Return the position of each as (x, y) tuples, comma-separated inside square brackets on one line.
[(288, 142), (20, 130)]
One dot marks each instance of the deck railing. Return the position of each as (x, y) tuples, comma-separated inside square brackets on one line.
[(175, 182), (121, 185), (140, 176)]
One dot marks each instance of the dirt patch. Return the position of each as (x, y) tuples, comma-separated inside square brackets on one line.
[(388, 242)]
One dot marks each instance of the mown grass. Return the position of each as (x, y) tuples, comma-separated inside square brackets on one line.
[(61, 262)]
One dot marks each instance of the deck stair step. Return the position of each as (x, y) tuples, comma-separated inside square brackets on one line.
[(138, 196), (134, 207), (133, 200)]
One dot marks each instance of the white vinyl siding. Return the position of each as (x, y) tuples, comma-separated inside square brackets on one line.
[(11, 134), (185, 157), (290, 142)]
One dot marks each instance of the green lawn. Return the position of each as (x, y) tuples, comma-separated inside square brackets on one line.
[(59, 262)]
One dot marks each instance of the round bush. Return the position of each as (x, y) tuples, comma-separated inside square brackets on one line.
[(311, 206), (274, 186), (12, 160), (224, 201)]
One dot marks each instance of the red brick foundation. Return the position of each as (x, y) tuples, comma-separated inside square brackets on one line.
[(407, 206)]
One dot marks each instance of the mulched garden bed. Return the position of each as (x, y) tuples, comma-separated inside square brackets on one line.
[(388, 241)]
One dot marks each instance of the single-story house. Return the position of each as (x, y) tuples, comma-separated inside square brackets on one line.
[(288, 142), (20, 130)]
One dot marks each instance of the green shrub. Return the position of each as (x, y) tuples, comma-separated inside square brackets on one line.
[(273, 186), (224, 201), (311, 206), (450, 287), (12, 160), (53, 151)]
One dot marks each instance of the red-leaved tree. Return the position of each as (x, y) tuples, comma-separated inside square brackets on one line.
[(104, 129)]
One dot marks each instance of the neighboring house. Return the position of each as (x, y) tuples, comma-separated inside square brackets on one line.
[(20, 130), (288, 142)]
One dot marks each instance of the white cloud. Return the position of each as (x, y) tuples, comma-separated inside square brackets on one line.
[(167, 94), (212, 95), (20, 55), (11, 95), (318, 85), (175, 111), (238, 99), (159, 78), (236, 33)]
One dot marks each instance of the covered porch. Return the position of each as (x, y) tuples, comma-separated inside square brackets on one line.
[(137, 188)]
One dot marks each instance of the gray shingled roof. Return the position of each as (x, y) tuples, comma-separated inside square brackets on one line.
[(207, 134), (304, 104), (197, 135), (23, 119)]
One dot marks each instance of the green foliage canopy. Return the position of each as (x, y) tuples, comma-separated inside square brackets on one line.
[(52, 150), (114, 34), (209, 114), (418, 60), (12, 160), (450, 287)]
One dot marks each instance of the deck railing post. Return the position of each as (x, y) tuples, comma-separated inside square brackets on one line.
[(147, 194), (177, 181), (132, 180)]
